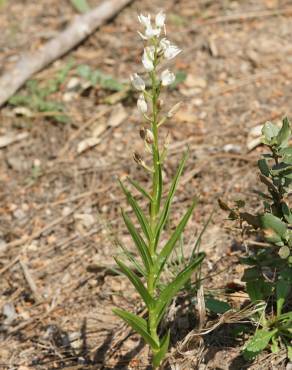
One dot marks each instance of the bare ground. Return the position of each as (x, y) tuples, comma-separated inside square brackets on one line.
[(59, 210)]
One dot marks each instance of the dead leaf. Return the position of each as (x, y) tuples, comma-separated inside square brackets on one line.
[(185, 117), (23, 111), (117, 116), (87, 144), (11, 138), (192, 81), (254, 137)]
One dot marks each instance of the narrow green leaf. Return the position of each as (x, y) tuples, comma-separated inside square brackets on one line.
[(198, 241), (139, 242), (170, 291), (140, 189), (289, 352), (264, 168), (168, 248), (132, 259), (80, 5), (275, 345), (138, 212), (138, 324), (284, 133), (136, 282), (257, 343), (159, 356), (282, 290), (286, 212), (166, 209)]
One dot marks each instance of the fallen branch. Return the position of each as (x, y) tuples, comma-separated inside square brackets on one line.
[(79, 29)]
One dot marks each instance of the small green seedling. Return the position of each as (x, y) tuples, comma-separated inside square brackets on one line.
[(268, 276), (97, 77), (38, 97), (154, 252)]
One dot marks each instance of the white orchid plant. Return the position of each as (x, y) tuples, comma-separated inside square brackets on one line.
[(145, 272)]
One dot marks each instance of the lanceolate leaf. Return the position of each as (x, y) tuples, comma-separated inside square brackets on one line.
[(166, 208), (168, 248), (140, 189), (138, 212), (136, 282), (138, 324), (284, 133), (283, 288), (169, 292), (139, 242), (263, 166), (159, 356), (198, 242), (132, 259), (258, 342)]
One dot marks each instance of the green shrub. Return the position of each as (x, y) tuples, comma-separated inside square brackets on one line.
[(268, 273)]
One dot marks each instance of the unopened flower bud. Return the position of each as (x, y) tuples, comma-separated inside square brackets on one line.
[(148, 58), (160, 19), (147, 135), (160, 103), (174, 110), (142, 104), (138, 82), (167, 78), (137, 158)]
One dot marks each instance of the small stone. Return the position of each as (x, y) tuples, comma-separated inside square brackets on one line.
[(197, 102), (87, 220), (66, 211), (19, 214), (9, 313), (73, 84), (69, 96), (3, 246), (36, 162), (232, 148)]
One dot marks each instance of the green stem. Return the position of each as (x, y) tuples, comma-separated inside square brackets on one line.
[(155, 199)]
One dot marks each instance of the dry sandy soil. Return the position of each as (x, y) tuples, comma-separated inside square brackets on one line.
[(59, 210)]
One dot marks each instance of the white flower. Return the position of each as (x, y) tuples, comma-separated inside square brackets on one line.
[(142, 104), (137, 82), (170, 50), (152, 32), (148, 58), (160, 19), (167, 78), (149, 31), (164, 43), (146, 21)]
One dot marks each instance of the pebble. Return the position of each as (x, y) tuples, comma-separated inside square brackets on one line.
[(232, 148)]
